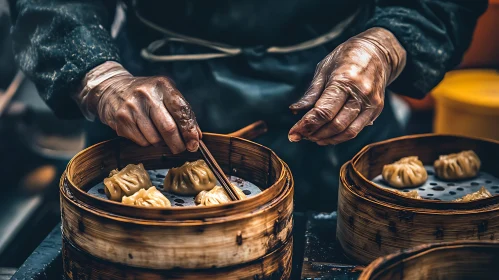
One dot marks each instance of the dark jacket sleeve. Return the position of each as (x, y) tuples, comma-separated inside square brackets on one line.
[(7, 65), (56, 43), (435, 34)]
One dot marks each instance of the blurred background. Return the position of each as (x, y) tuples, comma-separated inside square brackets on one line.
[(35, 146)]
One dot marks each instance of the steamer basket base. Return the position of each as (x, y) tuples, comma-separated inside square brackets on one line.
[(80, 265)]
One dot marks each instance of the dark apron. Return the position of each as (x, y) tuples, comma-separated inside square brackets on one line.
[(236, 87)]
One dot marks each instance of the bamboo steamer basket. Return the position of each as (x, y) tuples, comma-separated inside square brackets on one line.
[(250, 239), (374, 221), (448, 260)]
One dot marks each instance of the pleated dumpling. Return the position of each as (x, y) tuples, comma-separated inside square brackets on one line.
[(412, 194), (190, 178), (216, 196), (463, 165), (150, 198), (480, 194), (126, 182), (404, 173)]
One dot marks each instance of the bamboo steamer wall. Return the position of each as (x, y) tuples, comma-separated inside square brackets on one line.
[(449, 260), (244, 239), (373, 222)]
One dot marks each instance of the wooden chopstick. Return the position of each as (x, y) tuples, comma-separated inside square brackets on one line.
[(251, 131), (219, 174)]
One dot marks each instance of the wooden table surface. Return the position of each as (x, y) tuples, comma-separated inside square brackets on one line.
[(323, 257)]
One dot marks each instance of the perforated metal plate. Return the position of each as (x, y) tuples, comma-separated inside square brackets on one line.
[(437, 189), (157, 177)]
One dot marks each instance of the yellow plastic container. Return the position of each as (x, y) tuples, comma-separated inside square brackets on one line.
[(467, 103)]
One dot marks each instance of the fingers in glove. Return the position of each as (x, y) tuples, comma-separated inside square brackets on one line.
[(327, 107), (199, 132), (126, 127), (365, 118), (149, 131), (345, 117), (184, 117), (167, 127), (314, 91)]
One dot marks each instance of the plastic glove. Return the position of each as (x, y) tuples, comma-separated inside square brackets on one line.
[(146, 110), (348, 89)]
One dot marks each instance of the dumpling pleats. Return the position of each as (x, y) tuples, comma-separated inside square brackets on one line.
[(463, 165), (406, 172), (127, 181), (150, 198), (480, 194), (216, 196), (190, 178)]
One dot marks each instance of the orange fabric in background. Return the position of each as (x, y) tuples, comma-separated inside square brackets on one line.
[(483, 51)]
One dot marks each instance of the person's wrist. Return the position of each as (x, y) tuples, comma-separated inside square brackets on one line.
[(95, 83), (390, 48)]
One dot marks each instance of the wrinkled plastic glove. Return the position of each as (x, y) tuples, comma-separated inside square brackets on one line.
[(348, 90), (146, 110)]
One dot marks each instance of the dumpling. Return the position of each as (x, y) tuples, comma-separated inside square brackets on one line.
[(480, 194), (216, 196), (127, 181), (463, 165), (406, 172), (190, 178), (412, 194), (150, 198)]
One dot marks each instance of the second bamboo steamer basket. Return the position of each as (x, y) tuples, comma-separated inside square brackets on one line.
[(459, 260), (373, 221), (246, 239)]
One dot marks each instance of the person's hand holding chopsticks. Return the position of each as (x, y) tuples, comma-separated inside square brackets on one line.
[(146, 110)]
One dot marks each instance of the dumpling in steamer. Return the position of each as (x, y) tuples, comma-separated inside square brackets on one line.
[(404, 173), (126, 182), (190, 178), (463, 165), (412, 194), (216, 196), (150, 198), (480, 194)]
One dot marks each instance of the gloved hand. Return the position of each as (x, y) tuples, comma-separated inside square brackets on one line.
[(146, 110), (348, 89)]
